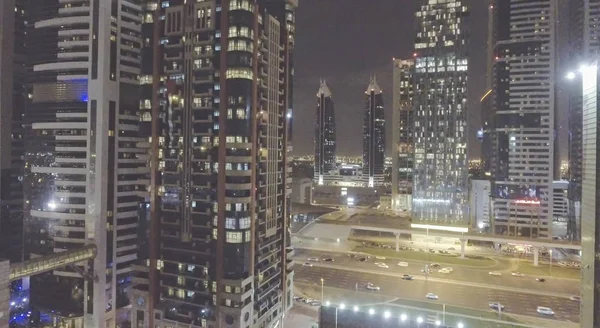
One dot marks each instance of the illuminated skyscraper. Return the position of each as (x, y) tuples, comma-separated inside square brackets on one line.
[(440, 185), (222, 201), (523, 111), (325, 141), (86, 170), (373, 135), (403, 127)]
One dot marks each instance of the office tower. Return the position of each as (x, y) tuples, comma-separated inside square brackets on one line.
[(86, 170), (440, 187), (484, 134), (222, 204), (325, 141), (584, 214), (13, 96), (590, 211), (403, 128), (523, 114), (373, 135)]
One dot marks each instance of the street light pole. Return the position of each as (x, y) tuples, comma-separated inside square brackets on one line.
[(322, 282)]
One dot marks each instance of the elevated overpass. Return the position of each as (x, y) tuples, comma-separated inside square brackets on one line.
[(343, 231), (299, 208), (11, 272)]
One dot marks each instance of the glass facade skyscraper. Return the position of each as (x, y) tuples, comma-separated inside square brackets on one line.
[(373, 136), (440, 177), (325, 141), (403, 127)]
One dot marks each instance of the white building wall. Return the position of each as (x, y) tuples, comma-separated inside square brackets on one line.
[(479, 204)]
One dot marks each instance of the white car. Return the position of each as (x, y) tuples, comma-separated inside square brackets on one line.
[(402, 264), (380, 257), (575, 298), (370, 286), (518, 274), (308, 264), (383, 266), (495, 273), (443, 271), (449, 269), (314, 259), (431, 296), (544, 310)]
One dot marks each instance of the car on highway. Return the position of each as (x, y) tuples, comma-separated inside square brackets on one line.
[(298, 298), (426, 271), (451, 248), (328, 259), (407, 277), (544, 310), (540, 279), (494, 273), (314, 259), (431, 250), (370, 286), (380, 257), (431, 296), (308, 264), (449, 269), (435, 265), (362, 259), (403, 264), (351, 256), (575, 298), (518, 274), (383, 266), (421, 250), (315, 303), (443, 271), (496, 306)]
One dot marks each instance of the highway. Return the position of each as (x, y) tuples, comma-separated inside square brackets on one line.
[(453, 289), (461, 274)]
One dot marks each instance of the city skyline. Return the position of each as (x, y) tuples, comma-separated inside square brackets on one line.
[(151, 178)]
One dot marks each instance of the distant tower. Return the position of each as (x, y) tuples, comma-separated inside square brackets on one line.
[(373, 135), (325, 143), (403, 127)]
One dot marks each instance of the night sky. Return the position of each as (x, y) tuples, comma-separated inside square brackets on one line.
[(346, 41)]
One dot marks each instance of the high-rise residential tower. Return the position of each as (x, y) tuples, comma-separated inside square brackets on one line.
[(86, 170), (403, 127), (325, 141), (223, 107), (584, 148), (440, 183), (373, 135), (13, 96), (523, 111)]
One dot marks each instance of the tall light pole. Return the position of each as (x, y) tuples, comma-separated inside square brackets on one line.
[(322, 282)]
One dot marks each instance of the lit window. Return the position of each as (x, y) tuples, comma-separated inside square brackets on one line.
[(234, 237), (239, 73)]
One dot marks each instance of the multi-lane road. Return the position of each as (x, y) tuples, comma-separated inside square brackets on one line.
[(468, 287)]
